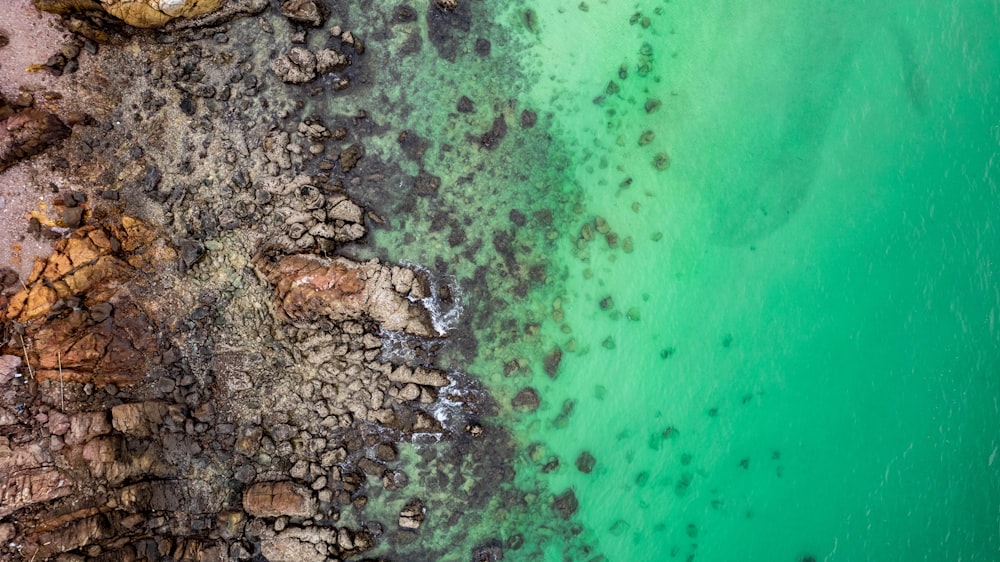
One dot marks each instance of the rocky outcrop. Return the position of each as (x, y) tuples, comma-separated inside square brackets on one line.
[(309, 287)]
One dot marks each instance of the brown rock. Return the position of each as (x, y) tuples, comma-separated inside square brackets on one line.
[(274, 499), (309, 287), (85, 426), (97, 342), (27, 133), (565, 504), (138, 419), (27, 478)]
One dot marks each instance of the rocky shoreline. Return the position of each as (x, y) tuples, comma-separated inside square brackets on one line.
[(195, 373)]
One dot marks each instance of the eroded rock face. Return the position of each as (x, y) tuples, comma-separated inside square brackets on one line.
[(309, 287)]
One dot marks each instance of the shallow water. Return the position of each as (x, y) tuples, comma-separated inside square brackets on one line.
[(800, 352)]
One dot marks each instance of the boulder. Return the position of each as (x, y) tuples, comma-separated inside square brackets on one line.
[(138, 13), (274, 499), (27, 478), (66, 306), (297, 66), (308, 12), (412, 515)]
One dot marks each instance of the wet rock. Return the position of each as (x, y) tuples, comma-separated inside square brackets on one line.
[(412, 144), (552, 361), (350, 157), (274, 499), (412, 515), (370, 467), (585, 462), (528, 118), (465, 105), (661, 161), (526, 400), (490, 139), (565, 504), (426, 184), (404, 13), (490, 551), (483, 47), (405, 374), (386, 452), (308, 12)]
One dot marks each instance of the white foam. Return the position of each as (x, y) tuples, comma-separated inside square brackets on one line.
[(443, 319)]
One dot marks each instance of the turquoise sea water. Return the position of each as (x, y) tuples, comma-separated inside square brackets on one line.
[(770, 264)]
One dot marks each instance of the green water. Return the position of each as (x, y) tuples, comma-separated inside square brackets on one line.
[(824, 288), (800, 355)]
